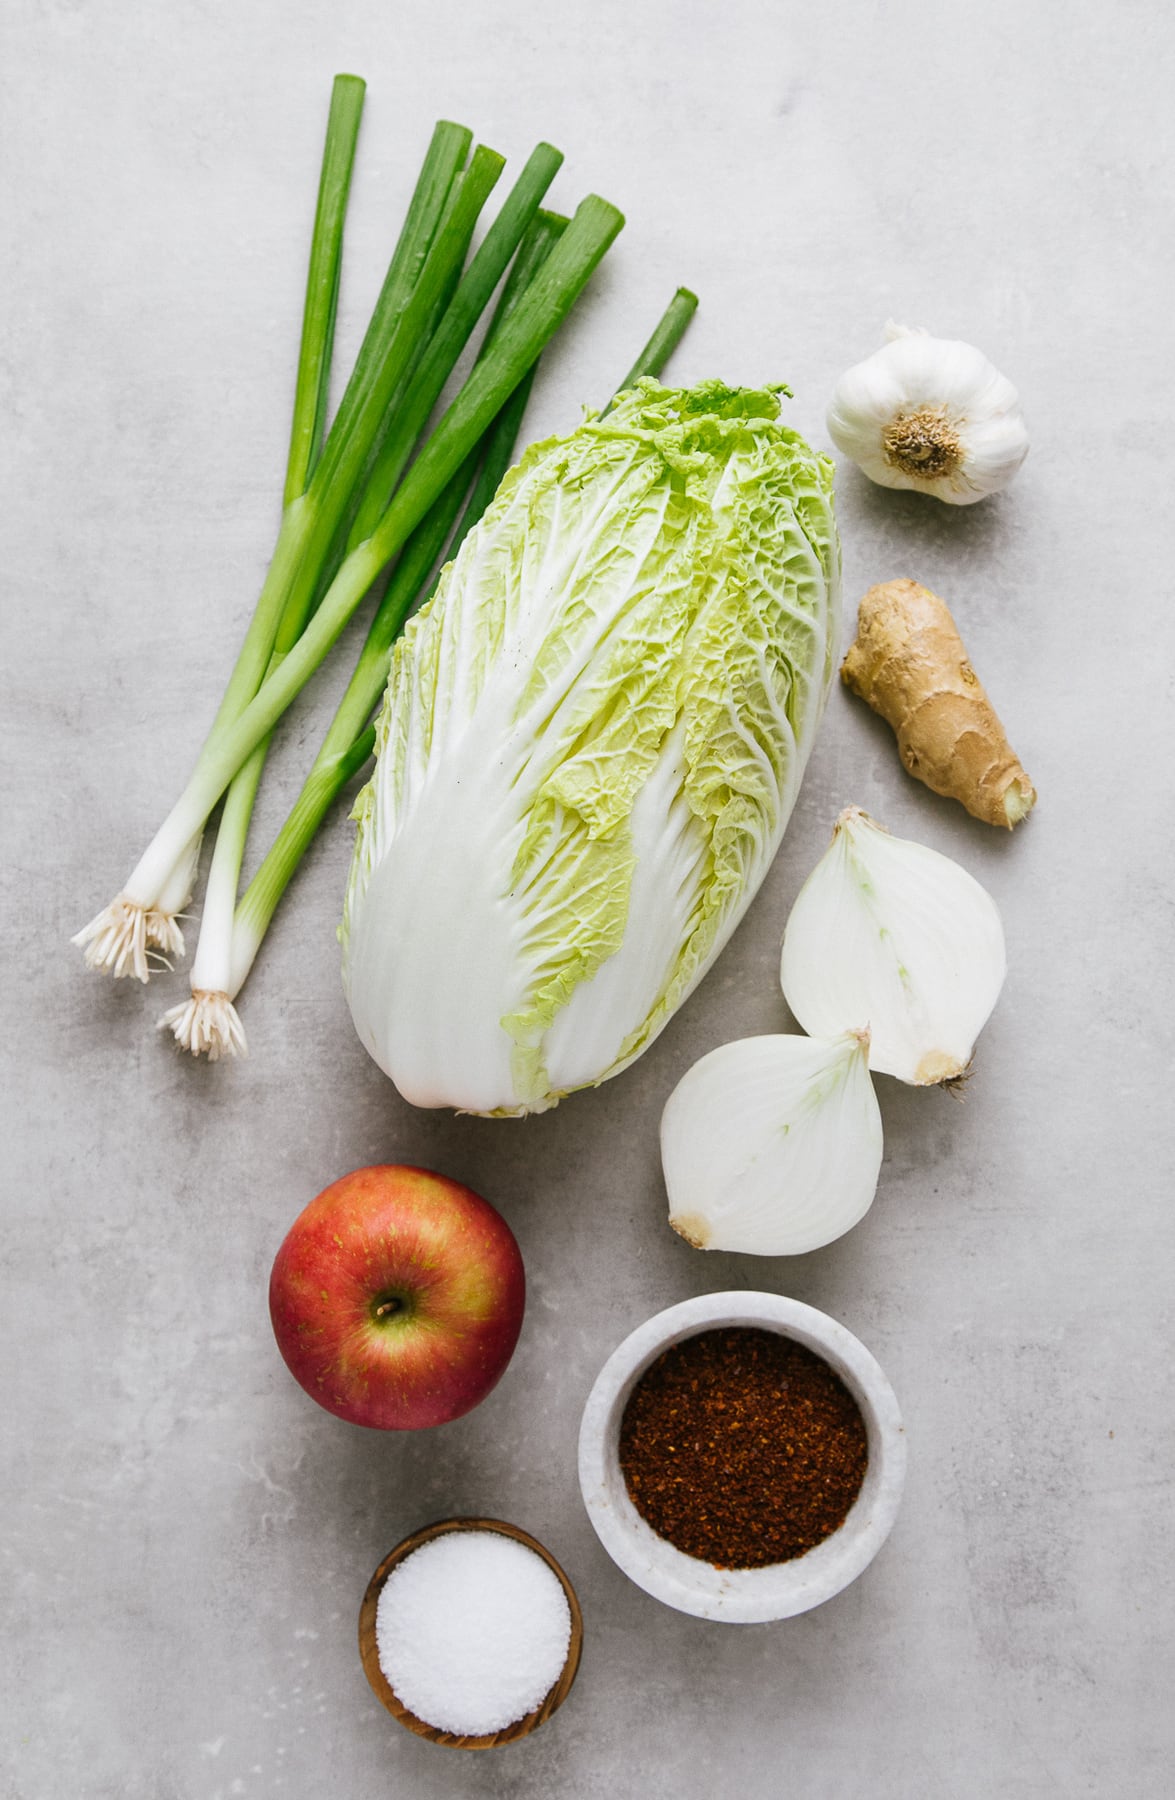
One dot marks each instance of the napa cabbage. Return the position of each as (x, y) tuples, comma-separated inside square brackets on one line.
[(590, 744)]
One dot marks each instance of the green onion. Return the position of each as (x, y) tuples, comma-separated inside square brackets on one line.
[(123, 937), (370, 393), (318, 323), (435, 241), (322, 284), (420, 281), (664, 341), (462, 314), (306, 434)]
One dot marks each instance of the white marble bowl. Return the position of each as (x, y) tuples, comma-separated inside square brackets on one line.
[(741, 1596)]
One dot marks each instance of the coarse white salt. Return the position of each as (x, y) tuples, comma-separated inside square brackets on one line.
[(472, 1631)]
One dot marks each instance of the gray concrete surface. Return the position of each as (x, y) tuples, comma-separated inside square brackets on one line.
[(186, 1537)]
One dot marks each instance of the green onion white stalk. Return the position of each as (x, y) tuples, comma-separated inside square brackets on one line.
[(116, 939), (772, 1145), (890, 936), (208, 1022)]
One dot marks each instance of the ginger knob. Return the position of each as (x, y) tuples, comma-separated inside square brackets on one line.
[(909, 664)]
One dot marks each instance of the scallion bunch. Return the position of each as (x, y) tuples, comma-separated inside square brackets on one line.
[(369, 506)]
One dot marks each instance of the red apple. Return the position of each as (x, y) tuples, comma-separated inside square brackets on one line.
[(397, 1298)]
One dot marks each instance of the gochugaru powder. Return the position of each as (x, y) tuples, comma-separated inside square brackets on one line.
[(742, 1447)]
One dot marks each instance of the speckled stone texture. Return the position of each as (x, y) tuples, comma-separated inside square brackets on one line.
[(186, 1537)]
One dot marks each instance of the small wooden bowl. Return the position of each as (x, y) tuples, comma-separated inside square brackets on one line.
[(369, 1650)]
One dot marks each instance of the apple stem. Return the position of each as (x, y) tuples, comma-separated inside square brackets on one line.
[(387, 1307)]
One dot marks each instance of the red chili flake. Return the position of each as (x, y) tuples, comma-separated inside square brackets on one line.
[(742, 1447)]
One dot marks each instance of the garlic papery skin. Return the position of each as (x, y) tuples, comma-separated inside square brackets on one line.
[(931, 414), (890, 934), (772, 1145)]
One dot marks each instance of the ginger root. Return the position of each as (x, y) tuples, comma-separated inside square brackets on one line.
[(908, 663)]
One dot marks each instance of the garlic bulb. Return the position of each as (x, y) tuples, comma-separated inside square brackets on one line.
[(772, 1145), (930, 414), (888, 934)]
